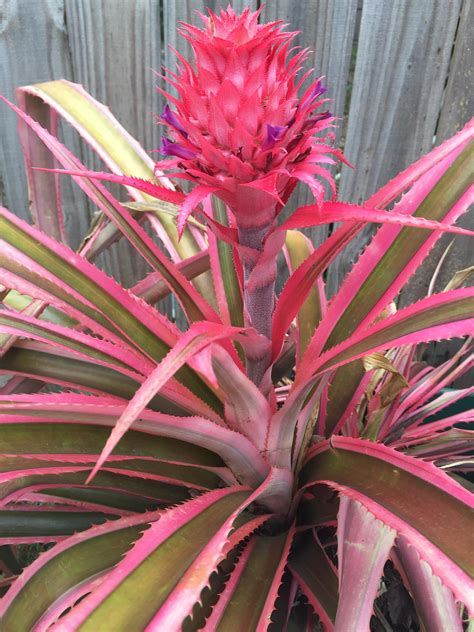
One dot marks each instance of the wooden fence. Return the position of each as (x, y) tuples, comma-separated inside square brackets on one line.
[(399, 71)]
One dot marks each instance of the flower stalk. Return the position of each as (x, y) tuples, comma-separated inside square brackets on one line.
[(258, 301)]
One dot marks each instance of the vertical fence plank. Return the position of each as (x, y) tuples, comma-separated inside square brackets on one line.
[(115, 46), (458, 102), (458, 108), (401, 68), (33, 48), (327, 28)]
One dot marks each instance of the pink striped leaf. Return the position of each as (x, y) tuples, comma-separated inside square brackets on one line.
[(111, 142), (95, 123), (302, 282), (420, 322), (450, 371), (44, 189), (66, 601), (389, 252), (38, 500), (91, 291), (67, 565), (363, 546), (424, 387), (170, 564), (43, 434), (440, 315), (434, 602), (316, 577), (85, 421), (108, 498), (417, 416), (147, 468), (199, 336), (42, 362), (442, 194), (112, 490), (76, 277), (380, 199), (38, 474), (330, 212), (28, 278), (85, 345), (114, 145), (145, 478), (444, 444), (411, 174), (192, 302), (248, 599), (146, 186), (34, 308), (436, 426), (404, 493)]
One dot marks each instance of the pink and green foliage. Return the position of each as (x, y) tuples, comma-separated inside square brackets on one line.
[(270, 460)]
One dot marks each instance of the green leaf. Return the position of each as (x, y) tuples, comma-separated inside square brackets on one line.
[(316, 576), (310, 313), (67, 565), (109, 139), (72, 438), (40, 524), (438, 515), (79, 374), (228, 274)]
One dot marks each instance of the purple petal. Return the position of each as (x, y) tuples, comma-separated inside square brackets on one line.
[(316, 92), (168, 148), (274, 134), (322, 116), (170, 117)]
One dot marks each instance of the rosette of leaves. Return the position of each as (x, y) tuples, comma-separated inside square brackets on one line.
[(257, 470)]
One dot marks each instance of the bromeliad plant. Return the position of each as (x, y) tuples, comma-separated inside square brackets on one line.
[(258, 469)]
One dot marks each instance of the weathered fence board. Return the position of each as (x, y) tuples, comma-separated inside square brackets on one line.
[(402, 63), (457, 109), (33, 48), (458, 104)]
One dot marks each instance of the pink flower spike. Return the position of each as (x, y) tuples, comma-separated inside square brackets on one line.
[(238, 124)]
